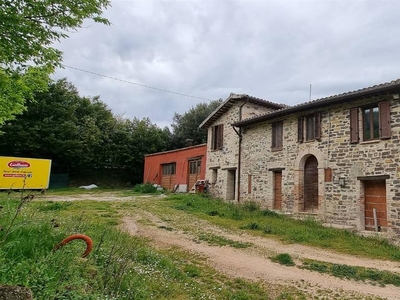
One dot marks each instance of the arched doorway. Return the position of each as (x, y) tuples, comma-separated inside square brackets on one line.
[(311, 184)]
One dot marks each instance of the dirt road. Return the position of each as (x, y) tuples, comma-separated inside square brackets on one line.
[(170, 228)]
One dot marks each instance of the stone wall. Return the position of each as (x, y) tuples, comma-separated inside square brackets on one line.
[(220, 163), (337, 204)]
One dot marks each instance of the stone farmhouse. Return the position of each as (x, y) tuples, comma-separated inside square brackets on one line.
[(336, 158)]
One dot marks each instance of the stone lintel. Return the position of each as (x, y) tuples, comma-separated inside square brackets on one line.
[(373, 177)]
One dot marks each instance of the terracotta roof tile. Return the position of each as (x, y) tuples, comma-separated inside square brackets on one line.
[(395, 84), (231, 100)]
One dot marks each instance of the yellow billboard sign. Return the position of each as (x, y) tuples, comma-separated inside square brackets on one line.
[(24, 173)]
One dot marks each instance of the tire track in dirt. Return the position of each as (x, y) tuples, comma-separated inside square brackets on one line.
[(253, 263), (250, 263)]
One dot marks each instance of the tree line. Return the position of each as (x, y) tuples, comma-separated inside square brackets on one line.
[(81, 133)]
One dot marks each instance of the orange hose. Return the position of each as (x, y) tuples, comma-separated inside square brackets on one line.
[(88, 240)]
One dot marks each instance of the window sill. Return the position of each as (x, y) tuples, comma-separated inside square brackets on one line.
[(369, 142)]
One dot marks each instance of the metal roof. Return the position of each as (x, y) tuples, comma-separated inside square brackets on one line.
[(230, 101), (340, 98), (176, 150)]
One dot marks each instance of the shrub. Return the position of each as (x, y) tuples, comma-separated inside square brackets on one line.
[(213, 213), (251, 226), (270, 213), (251, 206), (283, 259), (145, 188)]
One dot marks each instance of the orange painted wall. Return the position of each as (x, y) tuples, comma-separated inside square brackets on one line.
[(153, 162)]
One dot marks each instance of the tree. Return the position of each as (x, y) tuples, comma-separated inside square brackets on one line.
[(81, 134), (61, 125), (133, 140), (28, 30), (17, 87), (186, 126)]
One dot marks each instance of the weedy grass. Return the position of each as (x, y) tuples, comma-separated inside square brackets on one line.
[(79, 191), (215, 240), (371, 275), (120, 266), (249, 216), (283, 259), (145, 188)]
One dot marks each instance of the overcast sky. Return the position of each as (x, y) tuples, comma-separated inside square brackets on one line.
[(272, 50)]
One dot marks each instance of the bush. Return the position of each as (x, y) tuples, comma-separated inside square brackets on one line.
[(283, 259), (145, 188), (251, 206), (251, 226)]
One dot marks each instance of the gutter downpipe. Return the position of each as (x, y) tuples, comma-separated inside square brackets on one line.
[(240, 134)]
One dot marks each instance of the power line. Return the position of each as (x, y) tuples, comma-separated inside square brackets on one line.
[(135, 83)]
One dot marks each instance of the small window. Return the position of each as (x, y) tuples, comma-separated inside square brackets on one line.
[(277, 133), (375, 122), (217, 137), (371, 123), (312, 126), (169, 169), (194, 167)]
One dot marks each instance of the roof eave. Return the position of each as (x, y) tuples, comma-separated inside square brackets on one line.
[(208, 121), (330, 100), (231, 96)]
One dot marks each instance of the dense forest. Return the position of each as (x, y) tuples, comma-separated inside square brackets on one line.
[(83, 138)]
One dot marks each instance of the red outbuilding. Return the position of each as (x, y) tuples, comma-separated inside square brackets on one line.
[(176, 170)]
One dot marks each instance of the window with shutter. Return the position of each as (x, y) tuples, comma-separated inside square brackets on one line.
[(217, 134), (277, 134), (384, 120), (371, 123), (354, 137), (375, 122), (317, 127), (310, 128), (300, 134), (311, 124)]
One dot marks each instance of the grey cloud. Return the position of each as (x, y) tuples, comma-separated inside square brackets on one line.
[(271, 49)]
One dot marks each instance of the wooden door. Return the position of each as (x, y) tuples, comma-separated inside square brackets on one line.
[(311, 184), (375, 197), (278, 190), (194, 172), (168, 176)]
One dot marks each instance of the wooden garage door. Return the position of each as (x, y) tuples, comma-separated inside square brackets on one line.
[(194, 172), (311, 184), (168, 176), (375, 197), (277, 190)]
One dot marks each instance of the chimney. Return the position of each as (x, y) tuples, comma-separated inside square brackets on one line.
[(189, 142)]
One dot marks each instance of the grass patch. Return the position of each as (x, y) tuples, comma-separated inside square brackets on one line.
[(251, 226), (51, 205), (192, 270), (353, 272), (78, 191), (249, 216), (283, 259), (119, 267), (215, 240), (166, 228), (145, 188)]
